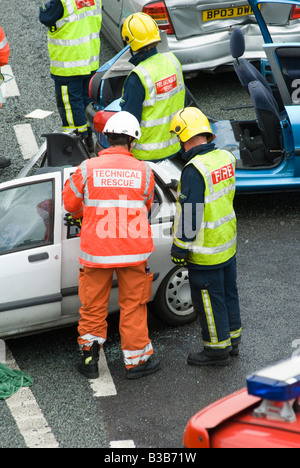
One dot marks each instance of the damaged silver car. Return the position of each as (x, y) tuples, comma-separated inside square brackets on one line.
[(199, 31)]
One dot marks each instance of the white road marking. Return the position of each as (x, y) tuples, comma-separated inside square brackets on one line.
[(24, 133), (38, 114), (9, 87), (26, 140), (104, 385), (28, 416), (30, 419), (122, 444)]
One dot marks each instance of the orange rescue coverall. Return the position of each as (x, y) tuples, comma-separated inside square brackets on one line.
[(114, 192), (4, 51)]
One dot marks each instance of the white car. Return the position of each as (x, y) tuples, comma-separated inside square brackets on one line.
[(39, 254), (199, 31)]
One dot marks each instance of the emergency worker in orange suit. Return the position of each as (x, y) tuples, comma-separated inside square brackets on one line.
[(4, 49), (113, 194), (4, 57)]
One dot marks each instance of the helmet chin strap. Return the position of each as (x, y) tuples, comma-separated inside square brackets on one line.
[(129, 144)]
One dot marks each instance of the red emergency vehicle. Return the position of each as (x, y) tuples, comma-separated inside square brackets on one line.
[(266, 414)]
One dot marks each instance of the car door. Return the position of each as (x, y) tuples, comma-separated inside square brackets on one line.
[(30, 253), (161, 219), (283, 59), (112, 12)]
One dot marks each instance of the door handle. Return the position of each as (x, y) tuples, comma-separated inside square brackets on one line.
[(38, 257)]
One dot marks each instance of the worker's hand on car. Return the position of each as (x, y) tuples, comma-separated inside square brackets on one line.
[(179, 259), (70, 221)]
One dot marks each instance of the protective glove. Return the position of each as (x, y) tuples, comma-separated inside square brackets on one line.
[(70, 221), (179, 259)]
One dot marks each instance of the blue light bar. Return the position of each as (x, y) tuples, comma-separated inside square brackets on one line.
[(276, 383)]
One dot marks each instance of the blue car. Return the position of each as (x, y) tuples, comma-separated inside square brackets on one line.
[(267, 149)]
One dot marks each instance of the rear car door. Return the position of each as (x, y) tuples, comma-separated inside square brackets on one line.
[(30, 253), (161, 219), (112, 11)]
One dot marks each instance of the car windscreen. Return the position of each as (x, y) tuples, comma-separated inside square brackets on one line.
[(276, 14), (26, 216)]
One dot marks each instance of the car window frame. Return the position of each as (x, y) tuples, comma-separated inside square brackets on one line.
[(270, 50), (24, 183)]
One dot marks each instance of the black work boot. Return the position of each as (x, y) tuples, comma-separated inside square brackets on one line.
[(89, 140), (4, 162), (208, 359), (150, 366), (235, 350), (89, 367)]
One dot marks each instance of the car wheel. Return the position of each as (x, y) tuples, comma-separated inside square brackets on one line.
[(172, 303)]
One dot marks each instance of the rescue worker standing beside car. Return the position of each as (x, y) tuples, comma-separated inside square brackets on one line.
[(74, 51), (205, 237), (154, 91), (114, 192), (4, 57)]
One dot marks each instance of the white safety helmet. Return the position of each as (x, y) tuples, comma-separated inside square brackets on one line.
[(123, 123)]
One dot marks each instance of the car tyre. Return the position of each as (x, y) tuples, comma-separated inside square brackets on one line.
[(172, 304)]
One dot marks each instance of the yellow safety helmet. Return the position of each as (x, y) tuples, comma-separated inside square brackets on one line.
[(190, 122), (140, 30)]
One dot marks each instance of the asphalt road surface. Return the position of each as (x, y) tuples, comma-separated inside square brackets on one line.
[(62, 409)]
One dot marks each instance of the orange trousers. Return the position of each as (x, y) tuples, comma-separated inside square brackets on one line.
[(134, 292)]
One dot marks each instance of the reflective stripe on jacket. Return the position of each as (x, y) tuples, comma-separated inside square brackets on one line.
[(74, 46), (162, 78), (115, 192), (4, 48), (216, 240)]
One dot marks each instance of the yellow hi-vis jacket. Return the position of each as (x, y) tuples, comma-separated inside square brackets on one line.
[(74, 46), (162, 77), (215, 242)]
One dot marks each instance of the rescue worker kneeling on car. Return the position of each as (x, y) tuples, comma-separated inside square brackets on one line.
[(154, 91), (205, 237), (113, 194)]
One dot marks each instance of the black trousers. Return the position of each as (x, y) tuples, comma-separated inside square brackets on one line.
[(215, 297), (72, 98)]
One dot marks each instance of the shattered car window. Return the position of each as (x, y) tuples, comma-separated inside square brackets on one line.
[(26, 216)]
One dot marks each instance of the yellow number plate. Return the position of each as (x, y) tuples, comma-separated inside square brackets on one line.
[(225, 13)]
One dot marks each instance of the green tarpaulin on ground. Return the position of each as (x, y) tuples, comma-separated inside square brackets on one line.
[(11, 381)]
